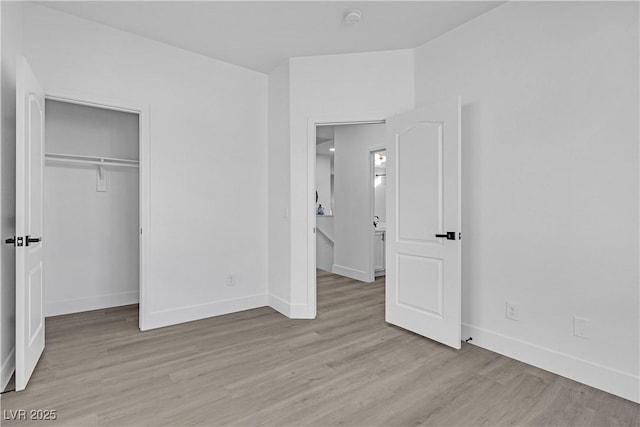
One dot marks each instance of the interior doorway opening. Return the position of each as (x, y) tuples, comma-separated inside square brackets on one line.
[(348, 239), (75, 124), (92, 207)]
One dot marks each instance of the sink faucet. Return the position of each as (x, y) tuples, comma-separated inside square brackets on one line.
[(376, 220)]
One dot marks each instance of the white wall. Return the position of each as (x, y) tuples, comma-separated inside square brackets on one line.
[(91, 252), (278, 192), (342, 87), (550, 181), (208, 145), (10, 47), (353, 219), (323, 182)]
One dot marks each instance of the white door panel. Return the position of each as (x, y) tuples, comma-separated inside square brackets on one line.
[(29, 251), (419, 177), (423, 286)]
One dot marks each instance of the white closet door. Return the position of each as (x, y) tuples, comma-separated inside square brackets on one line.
[(29, 251)]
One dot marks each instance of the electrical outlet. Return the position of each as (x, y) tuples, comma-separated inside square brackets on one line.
[(581, 327), (231, 279), (512, 311)]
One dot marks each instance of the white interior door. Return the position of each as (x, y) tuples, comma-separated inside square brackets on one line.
[(29, 251), (353, 199), (423, 283)]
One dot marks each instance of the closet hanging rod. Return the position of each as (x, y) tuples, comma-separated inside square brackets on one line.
[(91, 160)]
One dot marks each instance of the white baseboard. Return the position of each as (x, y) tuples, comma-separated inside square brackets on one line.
[(350, 272), (280, 305), (159, 319), (611, 380), (299, 311), (7, 368), (324, 265), (56, 308), (292, 311)]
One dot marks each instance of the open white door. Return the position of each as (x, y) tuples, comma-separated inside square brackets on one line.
[(423, 283), (28, 240)]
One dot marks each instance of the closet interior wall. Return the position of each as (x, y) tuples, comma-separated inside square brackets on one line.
[(91, 239)]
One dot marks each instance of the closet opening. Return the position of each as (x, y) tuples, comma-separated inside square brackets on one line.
[(92, 208)]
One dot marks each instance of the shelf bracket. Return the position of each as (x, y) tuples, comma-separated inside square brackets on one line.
[(101, 179)]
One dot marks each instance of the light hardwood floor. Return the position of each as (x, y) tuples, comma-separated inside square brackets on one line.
[(347, 367)]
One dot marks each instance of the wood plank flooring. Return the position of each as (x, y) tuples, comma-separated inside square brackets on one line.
[(347, 367)]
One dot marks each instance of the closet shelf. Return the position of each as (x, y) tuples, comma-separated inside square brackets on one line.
[(91, 160)]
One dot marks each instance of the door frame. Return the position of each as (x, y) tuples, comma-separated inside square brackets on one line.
[(312, 122), (142, 111)]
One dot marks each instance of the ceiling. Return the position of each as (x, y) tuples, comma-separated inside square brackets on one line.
[(260, 35)]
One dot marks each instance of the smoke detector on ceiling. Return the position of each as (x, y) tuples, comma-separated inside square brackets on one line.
[(352, 17)]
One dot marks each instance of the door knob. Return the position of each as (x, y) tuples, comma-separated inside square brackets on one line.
[(451, 235), (29, 239)]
